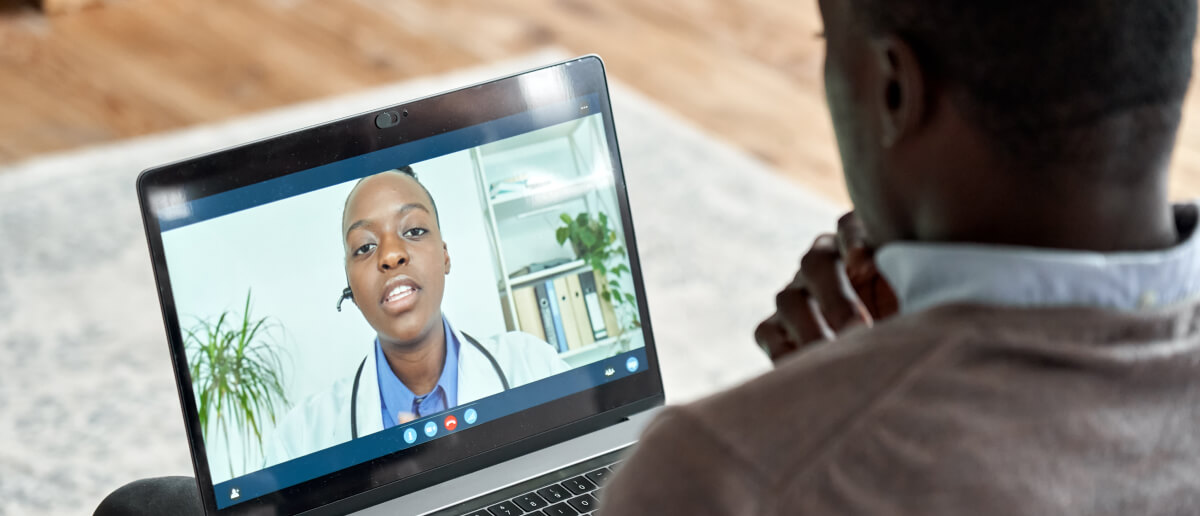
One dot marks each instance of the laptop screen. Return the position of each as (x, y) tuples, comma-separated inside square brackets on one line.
[(352, 323)]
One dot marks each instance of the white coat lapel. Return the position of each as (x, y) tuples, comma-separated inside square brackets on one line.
[(476, 377), (369, 408)]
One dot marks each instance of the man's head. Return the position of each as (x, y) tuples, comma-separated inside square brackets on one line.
[(939, 103), (396, 260)]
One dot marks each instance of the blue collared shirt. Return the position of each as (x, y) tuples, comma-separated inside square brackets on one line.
[(396, 399), (926, 275)]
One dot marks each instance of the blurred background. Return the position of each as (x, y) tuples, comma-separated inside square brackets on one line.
[(695, 78), (79, 72)]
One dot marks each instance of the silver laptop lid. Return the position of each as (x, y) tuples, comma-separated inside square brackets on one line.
[(371, 306)]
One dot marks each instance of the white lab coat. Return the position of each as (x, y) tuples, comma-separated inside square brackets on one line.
[(323, 419)]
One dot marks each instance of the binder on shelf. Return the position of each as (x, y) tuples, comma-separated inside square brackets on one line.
[(606, 307), (529, 314), (560, 334), (544, 299), (582, 321), (567, 313), (591, 303)]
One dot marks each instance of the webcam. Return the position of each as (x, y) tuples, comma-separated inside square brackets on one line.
[(388, 119)]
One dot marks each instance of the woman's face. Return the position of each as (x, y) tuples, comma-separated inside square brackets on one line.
[(396, 261)]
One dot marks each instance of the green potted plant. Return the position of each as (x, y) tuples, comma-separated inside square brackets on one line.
[(596, 243), (236, 374)]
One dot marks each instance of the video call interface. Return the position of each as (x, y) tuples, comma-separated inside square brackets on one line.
[(342, 322)]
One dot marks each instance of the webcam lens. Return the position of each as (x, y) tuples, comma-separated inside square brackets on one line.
[(386, 119)]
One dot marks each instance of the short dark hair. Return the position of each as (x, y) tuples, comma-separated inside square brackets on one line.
[(1031, 71), (408, 171)]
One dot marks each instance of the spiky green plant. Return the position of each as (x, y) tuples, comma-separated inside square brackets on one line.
[(237, 375)]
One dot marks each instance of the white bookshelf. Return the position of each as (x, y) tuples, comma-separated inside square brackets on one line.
[(567, 184)]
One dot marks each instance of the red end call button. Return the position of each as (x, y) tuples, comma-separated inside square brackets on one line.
[(451, 423)]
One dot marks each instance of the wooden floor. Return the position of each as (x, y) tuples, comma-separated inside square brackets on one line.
[(748, 71)]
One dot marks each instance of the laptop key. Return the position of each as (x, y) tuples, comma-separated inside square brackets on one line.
[(480, 512), (585, 503), (530, 502), (599, 476), (505, 509), (560, 509), (554, 493), (579, 485)]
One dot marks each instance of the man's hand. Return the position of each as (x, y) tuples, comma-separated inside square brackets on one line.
[(819, 295)]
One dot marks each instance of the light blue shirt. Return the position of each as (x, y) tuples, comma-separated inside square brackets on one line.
[(395, 397), (926, 275)]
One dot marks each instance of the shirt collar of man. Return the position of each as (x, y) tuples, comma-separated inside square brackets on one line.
[(396, 398), (925, 275)]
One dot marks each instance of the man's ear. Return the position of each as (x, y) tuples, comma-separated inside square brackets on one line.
[(446, 253), (900, 89)]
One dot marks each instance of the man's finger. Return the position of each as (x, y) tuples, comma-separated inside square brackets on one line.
[(875, 296), (821, 268), (796, 317), (853, 247), (773, 339)]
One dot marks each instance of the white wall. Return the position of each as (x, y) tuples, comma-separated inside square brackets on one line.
[(289, 253)]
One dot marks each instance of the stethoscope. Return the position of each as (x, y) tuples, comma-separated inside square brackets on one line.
[(348, 294)]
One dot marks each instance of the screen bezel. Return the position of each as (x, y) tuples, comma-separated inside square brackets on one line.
[(457, 453)]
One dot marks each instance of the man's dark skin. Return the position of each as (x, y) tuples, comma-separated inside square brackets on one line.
[(918, 169)]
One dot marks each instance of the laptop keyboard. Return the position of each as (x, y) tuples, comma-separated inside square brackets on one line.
[(572, 491), (573, 497)]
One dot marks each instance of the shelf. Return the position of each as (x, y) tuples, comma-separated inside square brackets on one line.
[(576, 266), (514, 204), (591, 353), (527, 140), (597, 345)]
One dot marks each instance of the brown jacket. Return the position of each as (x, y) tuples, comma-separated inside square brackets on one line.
[(958, 410)]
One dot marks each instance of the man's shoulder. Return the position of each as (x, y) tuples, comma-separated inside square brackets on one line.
[(791, 412)]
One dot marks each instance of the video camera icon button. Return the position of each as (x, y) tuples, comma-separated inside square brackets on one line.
[(430, 429)]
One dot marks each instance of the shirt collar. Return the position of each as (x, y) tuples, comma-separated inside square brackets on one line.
[(925, 275), (396, 397)]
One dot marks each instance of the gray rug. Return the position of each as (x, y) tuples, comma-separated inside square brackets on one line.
[(86, 390)]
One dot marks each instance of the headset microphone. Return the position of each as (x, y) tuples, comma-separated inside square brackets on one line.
[(346, 294)]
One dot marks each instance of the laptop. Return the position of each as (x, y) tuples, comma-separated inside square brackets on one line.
[(435, 307)]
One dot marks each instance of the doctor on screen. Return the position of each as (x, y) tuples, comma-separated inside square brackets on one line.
[(419, 364)]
